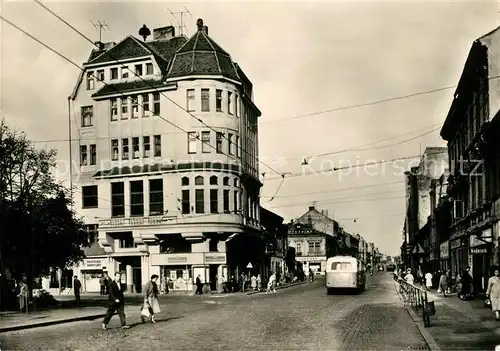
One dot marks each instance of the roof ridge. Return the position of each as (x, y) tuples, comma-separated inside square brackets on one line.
[(490, 32), (215, 51), (194, 49), (107, 51)]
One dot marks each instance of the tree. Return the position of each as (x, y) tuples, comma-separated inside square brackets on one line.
[(39, 229)]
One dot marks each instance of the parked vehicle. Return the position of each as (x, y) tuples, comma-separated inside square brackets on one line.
[(345, 272)]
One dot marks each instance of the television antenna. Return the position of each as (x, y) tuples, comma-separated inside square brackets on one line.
[(100, 26), (180, 24)]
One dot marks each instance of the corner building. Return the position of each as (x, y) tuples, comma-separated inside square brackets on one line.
[(164, 142)]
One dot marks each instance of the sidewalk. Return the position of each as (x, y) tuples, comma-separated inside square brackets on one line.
[(460, 325)]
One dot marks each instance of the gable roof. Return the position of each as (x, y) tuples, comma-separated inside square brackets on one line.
[(201, 55), (128, 48)]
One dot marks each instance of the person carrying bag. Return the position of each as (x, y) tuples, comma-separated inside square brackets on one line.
[(151, 305)]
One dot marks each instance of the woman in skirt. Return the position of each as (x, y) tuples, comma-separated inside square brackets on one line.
[(151, 299), (493, 293)]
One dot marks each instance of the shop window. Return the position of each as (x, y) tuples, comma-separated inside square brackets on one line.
[(90, 197), (185, 181), (137, 198), (156, 197), (214, 200), (117, 199), (199, 201), (186, 203)]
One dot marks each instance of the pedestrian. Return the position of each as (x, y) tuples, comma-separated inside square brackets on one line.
[(253, 282), (259, 282), (77, 289), (116, 302), (102, 282), (271, 284), (199, 286), (242, 282), (443, 283), (428, 281), (467, 290), (151, 304), (22, 295), (311, 275), (493, 293), (409, 278), (107, 281)]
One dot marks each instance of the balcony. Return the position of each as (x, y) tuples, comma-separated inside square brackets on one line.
[(124, 222)]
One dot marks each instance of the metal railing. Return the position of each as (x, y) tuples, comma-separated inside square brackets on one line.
[(417, 299)]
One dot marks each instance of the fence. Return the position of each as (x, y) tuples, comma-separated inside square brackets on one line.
[(417, 298)]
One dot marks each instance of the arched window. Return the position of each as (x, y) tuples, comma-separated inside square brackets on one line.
[(213, 180), (226, 181), (185, 181), (198, 180)]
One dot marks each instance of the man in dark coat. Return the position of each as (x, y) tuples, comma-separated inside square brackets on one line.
[(199, 286), (116, 302), (107, 280), (77, 289)]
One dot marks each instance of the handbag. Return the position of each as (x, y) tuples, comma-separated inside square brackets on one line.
[(145, 310), (487, 302)]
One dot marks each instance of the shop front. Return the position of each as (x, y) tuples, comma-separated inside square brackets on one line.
[(90, 272), (459, 255), (315, 263), (481, 250), (180, 271), (444, 255)]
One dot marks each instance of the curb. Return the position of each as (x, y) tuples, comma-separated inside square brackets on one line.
[(429, 339), (52, 322), (278, 288)]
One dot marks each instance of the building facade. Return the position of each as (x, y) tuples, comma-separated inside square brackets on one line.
[(275, 233), (164, 138), (473, 158)]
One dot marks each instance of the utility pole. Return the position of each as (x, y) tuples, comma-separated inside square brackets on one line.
[(180, 24), (100, 26)]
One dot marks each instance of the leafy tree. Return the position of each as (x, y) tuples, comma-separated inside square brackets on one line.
[(39, 230)]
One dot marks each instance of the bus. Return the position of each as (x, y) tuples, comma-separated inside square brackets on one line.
[(345, 272)]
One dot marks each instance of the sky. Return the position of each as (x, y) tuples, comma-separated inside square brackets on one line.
[(308, 61)]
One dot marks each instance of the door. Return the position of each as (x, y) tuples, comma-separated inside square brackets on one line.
[(212, 273)]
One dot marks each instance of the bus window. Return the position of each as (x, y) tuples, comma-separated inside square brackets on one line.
[(341, 266)]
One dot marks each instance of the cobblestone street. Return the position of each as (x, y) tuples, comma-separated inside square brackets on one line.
[(298, 318)]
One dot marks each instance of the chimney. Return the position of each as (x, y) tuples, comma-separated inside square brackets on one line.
[(164, 33), (100, 45), (311, 208), (201, 27)]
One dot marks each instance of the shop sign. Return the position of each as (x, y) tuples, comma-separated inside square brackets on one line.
[(92, 263), (309, 259), (479, 251), (444, 251), (176, 259), (455, 244), (214, 258)]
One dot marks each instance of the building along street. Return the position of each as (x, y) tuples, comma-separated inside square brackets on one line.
[(302, 317)]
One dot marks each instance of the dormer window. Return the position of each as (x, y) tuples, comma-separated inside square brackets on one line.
[(138, 70), (124, 72), (114, 73), (149, 68), (100, 75), (90, 80)]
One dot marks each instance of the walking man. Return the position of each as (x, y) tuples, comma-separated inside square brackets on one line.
[(77, 288), (116, 302)]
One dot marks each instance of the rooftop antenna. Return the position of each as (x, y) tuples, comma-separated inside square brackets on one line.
[(100, 26), (180, 25)]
